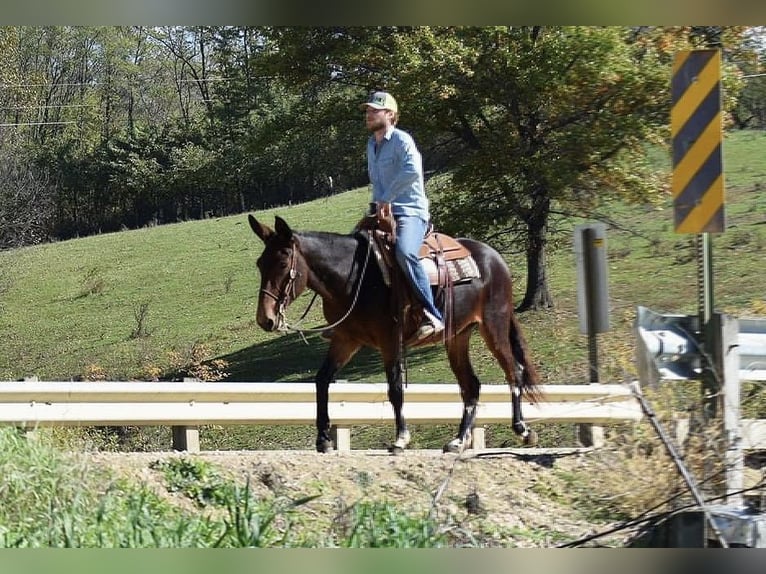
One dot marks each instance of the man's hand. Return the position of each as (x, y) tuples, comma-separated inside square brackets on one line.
[(384, 210), (386, 221)]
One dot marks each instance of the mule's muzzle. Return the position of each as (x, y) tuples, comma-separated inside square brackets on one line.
[(271, 323)]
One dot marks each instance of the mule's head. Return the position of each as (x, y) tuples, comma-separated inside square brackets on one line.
[(283, 272)]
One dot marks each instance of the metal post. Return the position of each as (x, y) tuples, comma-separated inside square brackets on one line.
[(589, 236), (709, 334), (705, 278), (593, 306)]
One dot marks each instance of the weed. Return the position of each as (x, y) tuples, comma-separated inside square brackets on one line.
[(92, 284), (195, 479), (193, 364), (94, 372), (228, 282), (383, 525), (251, 524), (140, 314), (364, 479)]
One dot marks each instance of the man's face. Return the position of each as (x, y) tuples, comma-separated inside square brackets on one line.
[(376, 119)]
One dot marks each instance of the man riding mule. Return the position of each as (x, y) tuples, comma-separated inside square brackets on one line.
[(357, 304), (364, 308), (395, 168)]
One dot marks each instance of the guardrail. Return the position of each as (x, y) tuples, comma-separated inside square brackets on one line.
[(668, 344), (185, 406)]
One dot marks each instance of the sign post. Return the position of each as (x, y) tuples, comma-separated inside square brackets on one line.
[(698, 207), (697, 185), (592, 304)]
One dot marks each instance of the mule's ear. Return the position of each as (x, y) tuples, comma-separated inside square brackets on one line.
[(261, 230), (283, 230)]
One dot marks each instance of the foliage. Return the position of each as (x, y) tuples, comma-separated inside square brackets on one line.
[(530, 122), (52, 499), (382, 525), (635, 477), (195, 479), (750, 111), (26, 208)]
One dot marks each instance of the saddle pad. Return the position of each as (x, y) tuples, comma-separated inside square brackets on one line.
[(460, 270)]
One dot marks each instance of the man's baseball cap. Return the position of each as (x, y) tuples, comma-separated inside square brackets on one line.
[(381, 101)]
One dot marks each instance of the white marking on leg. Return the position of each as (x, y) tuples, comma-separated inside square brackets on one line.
[(402, 440), (455, 445), (516, 391)]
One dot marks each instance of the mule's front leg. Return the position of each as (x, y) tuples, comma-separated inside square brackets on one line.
[(460, 363), (322, 381), (396, 398), (339, 354), (463, 439)]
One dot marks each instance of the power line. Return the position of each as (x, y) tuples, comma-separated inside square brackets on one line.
[(48, 106), (78, 84), (34, 124)]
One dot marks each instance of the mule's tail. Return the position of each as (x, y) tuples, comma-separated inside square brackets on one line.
[(529, 379)]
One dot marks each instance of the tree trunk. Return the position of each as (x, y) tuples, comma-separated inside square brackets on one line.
[(537, 295)]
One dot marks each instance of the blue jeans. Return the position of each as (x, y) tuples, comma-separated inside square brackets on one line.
[(410, 231)]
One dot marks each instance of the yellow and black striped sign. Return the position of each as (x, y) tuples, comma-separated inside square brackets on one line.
[(695, 125)]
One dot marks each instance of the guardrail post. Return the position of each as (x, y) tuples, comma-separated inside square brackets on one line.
[(341, 436), (478, 441), (186, 438)]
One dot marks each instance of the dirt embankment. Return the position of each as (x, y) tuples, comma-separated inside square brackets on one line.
[(514, 497)]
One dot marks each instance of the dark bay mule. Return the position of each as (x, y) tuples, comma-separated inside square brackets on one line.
[(340, 270)]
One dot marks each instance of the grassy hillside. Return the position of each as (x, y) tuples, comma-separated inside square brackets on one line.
[(148, 303)]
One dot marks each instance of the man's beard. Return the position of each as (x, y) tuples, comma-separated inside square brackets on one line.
[(376, 124)]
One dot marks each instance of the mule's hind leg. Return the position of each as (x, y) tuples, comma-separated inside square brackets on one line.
[(470, 386), (495, 331)]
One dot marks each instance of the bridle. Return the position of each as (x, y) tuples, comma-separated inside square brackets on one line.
[(283, 298)]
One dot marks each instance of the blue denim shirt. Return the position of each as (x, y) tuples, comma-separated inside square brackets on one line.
[(396, 174)]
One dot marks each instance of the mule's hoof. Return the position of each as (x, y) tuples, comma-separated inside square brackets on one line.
[(395, 450), (453, 446), (531, 438), (324, 446)]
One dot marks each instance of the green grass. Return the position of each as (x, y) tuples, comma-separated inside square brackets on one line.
[(57, 500), (137, 304)]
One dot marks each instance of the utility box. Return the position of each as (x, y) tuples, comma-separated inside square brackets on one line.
[(592, 278)]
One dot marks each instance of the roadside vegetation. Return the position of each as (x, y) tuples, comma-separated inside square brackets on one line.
[(59, 500)]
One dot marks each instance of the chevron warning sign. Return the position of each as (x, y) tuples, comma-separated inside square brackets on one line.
[(695, 125)]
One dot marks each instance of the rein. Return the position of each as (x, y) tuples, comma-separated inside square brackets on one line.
[(290, 284)]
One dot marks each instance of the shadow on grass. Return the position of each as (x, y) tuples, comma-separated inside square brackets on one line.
[(290, 358)]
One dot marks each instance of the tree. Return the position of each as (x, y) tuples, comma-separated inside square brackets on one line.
[(750, 111), (26, 205), (552, 121), (527, 121)]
